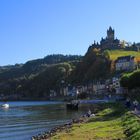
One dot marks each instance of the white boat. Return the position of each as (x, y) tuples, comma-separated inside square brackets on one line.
[(5, 106)]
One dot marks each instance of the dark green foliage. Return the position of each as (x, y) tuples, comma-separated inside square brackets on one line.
[(49, 79), (34, 66), (125, 80), (37, 77), (131, 80), (95, 65)]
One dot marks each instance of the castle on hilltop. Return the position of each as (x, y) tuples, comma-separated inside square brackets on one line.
[(109, 42)]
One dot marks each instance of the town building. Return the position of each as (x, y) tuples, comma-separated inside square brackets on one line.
[(125, 63)]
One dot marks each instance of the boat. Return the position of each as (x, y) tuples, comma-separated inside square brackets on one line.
[(73, 105), (5, 105)]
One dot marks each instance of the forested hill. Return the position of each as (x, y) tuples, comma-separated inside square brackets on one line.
[(53, 59), (34, 66), (49, 59), (35, 78)]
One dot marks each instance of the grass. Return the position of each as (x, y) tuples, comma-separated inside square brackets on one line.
[(113, 122), (114, 54), (107, 125), (131, 126)]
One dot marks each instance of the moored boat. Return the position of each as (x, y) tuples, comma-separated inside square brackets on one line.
[(73, 105), (5, 105)]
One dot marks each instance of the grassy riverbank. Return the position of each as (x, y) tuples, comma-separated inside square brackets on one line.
[(113, 122), (131, 124), (106, 125)]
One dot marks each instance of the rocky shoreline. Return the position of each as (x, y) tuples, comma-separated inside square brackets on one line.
[(65, 127)]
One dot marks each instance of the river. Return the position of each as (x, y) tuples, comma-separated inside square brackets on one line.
[(25, 119)]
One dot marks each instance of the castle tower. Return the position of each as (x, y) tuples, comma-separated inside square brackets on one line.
[(110, 34)]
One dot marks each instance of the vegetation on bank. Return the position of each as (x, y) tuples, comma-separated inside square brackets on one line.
[(107, 125), (131, 83), (114, 122), (131, 80), (114, 54), (131, 125)]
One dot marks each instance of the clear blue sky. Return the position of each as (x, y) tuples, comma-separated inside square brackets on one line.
[(31, 29)]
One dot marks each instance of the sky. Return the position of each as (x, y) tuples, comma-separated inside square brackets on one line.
[(31, 29)]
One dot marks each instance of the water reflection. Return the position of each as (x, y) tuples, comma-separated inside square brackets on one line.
[(24, 119)]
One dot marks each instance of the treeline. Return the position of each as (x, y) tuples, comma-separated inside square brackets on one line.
[(34, 66)]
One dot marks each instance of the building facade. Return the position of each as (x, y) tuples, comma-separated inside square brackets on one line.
[(125, 63)]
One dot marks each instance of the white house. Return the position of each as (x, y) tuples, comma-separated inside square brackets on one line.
[(125, 63)]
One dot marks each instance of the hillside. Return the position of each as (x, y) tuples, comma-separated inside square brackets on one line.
[(95, 65), (36, 77), (34, 66), (114, 54)]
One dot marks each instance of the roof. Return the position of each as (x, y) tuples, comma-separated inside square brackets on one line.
[(125, 58)]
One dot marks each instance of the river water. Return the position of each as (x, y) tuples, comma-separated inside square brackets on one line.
[(25, 119)]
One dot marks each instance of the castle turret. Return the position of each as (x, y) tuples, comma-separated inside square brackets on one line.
[(110, 34), (110, 42)]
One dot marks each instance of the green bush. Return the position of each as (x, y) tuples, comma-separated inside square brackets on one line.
[(131, 80)]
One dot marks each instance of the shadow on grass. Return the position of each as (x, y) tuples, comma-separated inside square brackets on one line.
[(131, 124), (110, 111)]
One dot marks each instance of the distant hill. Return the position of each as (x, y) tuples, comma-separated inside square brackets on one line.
[(34, 66), (36, 77)]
